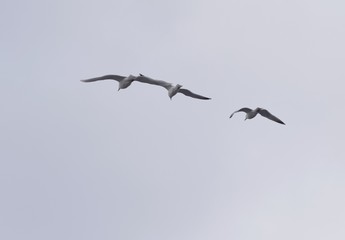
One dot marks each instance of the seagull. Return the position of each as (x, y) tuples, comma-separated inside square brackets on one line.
[(124, 82), (172, 89), (263, 112)]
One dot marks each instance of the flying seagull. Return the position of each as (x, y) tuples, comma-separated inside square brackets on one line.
[(124, 82), (263, 112), (172, 89)]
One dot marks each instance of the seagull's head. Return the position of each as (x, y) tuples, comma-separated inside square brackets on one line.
[(123, 86)]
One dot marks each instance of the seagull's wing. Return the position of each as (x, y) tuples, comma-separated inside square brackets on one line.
[(246, 110), (193, 95), (106, 77), (267, 114), (148, 80)]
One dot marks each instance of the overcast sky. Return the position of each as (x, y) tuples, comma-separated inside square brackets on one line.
[(84, 161)]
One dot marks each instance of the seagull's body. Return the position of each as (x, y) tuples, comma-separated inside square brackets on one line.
[(172, 89), (124, 82), (250, 113)]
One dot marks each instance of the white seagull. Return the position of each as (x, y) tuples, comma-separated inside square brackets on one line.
[(263, 112), (124, 82), (172, 89)]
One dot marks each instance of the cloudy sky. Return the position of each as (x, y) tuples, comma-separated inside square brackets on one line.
[(84, 161)]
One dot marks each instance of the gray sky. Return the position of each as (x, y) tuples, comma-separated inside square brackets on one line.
[(83, 161)]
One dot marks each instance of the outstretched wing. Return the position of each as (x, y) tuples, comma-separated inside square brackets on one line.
[(144, 79), (105, 77), (246, 110), (267, 114), (193, 95)]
